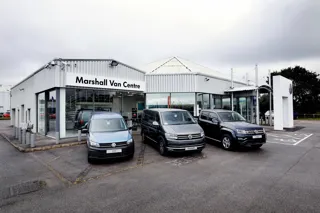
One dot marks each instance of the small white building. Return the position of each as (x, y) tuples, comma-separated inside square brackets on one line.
[(4, 98)]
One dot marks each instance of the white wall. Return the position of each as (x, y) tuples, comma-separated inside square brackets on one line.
[(214, 85), (282, 103), (25, 93), (4, 101)]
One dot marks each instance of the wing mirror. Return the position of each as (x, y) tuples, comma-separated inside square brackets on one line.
[(84, 131), (155, 123), (215, 121)]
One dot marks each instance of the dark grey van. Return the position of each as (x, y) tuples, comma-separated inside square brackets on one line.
[(172, 130)]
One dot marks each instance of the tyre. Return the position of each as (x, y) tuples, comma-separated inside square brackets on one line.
[(199, 151), (130, 157), (143, 138), (162, 147), (227, 142), (90, 160), (256, 146)]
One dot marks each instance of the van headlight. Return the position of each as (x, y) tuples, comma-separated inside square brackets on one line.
[(95, 144), (171, 136), (202, 134), (241, 131), (129, 141)]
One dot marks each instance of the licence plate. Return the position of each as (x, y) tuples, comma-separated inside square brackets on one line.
[(114, 151), (190, 148), (257, 136)]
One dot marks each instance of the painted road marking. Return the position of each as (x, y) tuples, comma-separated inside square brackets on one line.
[(303, 139), (287, 139)]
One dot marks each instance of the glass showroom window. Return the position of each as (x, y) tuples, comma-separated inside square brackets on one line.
[(226, 103), (217, 101), (206, 101), (41, 113), (183, 101), (157, 100)]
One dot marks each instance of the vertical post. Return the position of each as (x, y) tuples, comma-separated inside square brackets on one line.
[(79, 135), (19, 134), (23, 136), (232, 86), (32, 140), (270, 101), (28, 138), (257, 95), (57, 127)]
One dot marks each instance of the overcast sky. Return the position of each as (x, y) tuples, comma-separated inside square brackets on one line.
[(219, 34)]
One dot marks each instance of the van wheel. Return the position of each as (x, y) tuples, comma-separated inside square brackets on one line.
[(162, 147), (143, 138), (90, 160), (227, 142)]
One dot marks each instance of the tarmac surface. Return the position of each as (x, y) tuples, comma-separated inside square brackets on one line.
[(282, 176)]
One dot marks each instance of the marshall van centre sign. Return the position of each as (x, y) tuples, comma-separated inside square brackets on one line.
[(103, 82)]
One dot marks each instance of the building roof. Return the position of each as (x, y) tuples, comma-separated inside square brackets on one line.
[(165, 109), (70, 59), (176, 65)]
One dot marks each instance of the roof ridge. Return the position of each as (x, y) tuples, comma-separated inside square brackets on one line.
[(162, 64), (201, 65), (183, 64)]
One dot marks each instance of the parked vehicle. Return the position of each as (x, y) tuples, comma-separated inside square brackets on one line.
[(1, 114), (108, 137), (172, 130), (231, 129), (6, 115)]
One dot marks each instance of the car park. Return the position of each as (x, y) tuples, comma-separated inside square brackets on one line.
[(108, 137), (172, 130), (231, 129)]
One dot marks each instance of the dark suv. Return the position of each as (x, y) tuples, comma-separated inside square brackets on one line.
[(172, 130), (231, 129)]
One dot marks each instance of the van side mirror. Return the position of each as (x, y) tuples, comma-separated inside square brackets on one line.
[(155, 123)]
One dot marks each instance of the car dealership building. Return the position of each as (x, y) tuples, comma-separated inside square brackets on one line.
[(51, 97)]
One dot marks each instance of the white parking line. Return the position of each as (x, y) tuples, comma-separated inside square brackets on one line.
[(303, 139)]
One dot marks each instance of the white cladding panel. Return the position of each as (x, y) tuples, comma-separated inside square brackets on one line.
[(170, 83), (103, 69), (207, 84), (282, 103)]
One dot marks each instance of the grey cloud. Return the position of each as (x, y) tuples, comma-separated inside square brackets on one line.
[(280, 31)]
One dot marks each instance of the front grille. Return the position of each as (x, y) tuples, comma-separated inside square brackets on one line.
[(118, 144), (256, 131), (186, 137)]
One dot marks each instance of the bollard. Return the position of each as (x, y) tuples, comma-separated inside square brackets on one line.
[(79, 135), (23, 137), (32, 140), (19, 134), (57, 137), (28, 138), (14, 132)]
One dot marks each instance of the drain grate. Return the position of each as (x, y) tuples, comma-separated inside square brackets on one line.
[(21, 188)]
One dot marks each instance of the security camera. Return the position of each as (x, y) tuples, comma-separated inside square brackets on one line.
[(53, 63), (65, 64), (113, 63)]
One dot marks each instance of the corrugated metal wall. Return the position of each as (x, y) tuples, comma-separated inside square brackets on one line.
[(170, 83), (102, 68)]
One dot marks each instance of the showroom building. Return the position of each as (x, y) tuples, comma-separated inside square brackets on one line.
[(51, 97)]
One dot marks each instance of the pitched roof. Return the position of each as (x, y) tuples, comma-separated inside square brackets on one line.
[(176, 65)]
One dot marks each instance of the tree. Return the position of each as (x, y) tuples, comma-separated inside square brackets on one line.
[(264, 103), (306, 88)]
